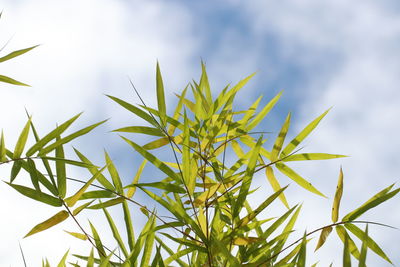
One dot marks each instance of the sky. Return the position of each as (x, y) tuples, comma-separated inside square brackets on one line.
[(322, 54)]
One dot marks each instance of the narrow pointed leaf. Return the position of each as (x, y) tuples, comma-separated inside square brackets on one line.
[(6, 79), (3, 152), (302, 135), (338, 197), (346, 252), (50, 136), (141, 129), (37, 195), (61, 171), (311, 156), (260, 116), (69, 138), (280, 139), (16, 53), (275, 185), (23, 137), (54, 220), (297, 178), (323, 236), (161, 97), (77, 235), (364, 247), (114, 174), (115, 232)]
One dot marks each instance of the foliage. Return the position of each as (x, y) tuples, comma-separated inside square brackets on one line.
[(206, 197)]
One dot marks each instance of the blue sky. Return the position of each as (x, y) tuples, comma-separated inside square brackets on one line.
[(322, 54)]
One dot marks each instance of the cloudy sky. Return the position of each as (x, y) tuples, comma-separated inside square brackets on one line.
[(323, 54)]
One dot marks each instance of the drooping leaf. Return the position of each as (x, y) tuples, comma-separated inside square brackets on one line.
[(338, 197), (33, 174), (132, 190), (37, 195), (275, 185), (323, 236), (297, 178), (54, 220), (343, 235)]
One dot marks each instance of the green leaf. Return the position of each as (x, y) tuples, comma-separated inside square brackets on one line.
[(338, 197), (69, 138), (62, 263), (280, 139), (50, 136), (140, 113), (61, 171), (275, 184), (16, 53), (141, 129), (323, 236), (343, 235), (108, 203), (71, 201), (311, 156), (260, 116), (37, 195), (160, 97), (33, 174), (115, 232), (54, 220), (364, 248), (77, 235), (302, 135), (377, 199), (154, 160), (23, 137), (369, 241), (3, 152), (168, 187), (346, 252), (6, 79), (77, 210), (148, 245), (297, 178), (132, 190), (98, 243), (301, 260)]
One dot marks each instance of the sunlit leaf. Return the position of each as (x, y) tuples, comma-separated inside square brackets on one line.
[(260, 116), (61, 171), (343, 235), (302, 135), (280, 139), (346, 252), (6, 79), (364, 248), (115, 232), (77, 235), (161, 97), (3, 157), (338, 197), (37, 195), (16, 53), (108, 203), (132, 190), (275, 185), (311, 156), (323, 236), (54, 220), (168, 187), (141, 129), (23, 137), (297, 178)]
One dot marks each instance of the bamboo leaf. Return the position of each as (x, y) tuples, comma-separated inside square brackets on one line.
[(346, 252), (3, 150), (98, 243), (377, 199), (260, 116), (77, 235), (114, 174), (61, 171), (161, 97), (311, 156), (275, 185), (62, 263), (33, 174), (50, 136), (16, 53), (77, 210), (108, 203), (23, 137), (364, 248), (54, 220), (69, 138), (132, 190), (9, 80), (154, 160), (71, 201), (323, 236), (338, 197), (297, 178), (302, 135), (115, 232), (37, 195), (137, 111), (369, 241), (343, 235), (280, 139), (141, 129), (168, 187), (301, 260)]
